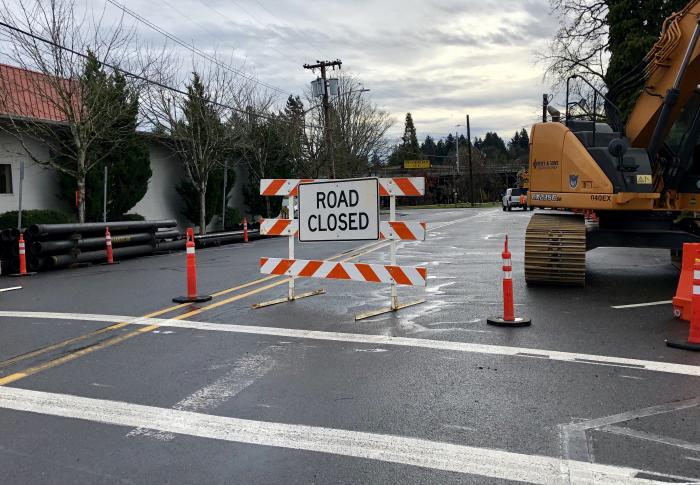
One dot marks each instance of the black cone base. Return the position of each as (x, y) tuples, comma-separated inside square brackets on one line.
[(500, 322), (192, 299), (28, 273), (106, 263), (684, 345)]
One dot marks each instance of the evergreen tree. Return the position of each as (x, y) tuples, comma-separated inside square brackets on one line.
[(203, 143), (428, 147), (441, 148), (127, 158), (449, 144), (409, 140), (519, 145), (215, 194), (493, 147), (633, 28)]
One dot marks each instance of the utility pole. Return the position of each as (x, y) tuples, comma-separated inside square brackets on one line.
[(326, 105), (457, 155), (471, 177)]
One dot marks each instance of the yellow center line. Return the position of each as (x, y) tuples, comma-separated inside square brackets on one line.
[(121, 338), (64, 343)]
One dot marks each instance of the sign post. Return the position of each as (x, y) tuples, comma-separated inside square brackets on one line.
[(290, 208), (21, 183)]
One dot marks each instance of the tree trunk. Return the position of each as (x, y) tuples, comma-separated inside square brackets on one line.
[(203, 210), (81, 198), (80, 179)]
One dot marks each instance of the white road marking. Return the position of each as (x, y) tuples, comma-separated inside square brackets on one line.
[(632, 377), (394, 449), (12, 288), (643, 435), (245, 372), (378, 340), (637, 305)]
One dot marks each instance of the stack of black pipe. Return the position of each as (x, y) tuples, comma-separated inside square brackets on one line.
[(51, 246)]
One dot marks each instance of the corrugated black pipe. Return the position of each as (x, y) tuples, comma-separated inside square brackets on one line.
[(37, 231)]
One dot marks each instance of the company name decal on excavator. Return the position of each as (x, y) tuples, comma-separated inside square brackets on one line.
[(546, 164), (546, 197), (600, 198)]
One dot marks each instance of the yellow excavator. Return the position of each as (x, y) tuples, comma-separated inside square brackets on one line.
[(638, 177)]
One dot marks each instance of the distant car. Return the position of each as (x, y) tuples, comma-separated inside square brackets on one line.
[(515, 197)]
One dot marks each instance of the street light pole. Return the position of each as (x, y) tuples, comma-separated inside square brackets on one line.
[(471, 177)]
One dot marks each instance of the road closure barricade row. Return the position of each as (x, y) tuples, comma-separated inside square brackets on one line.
[(391, 230)]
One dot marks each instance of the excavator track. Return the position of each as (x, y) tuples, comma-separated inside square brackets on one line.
[(555, 250)]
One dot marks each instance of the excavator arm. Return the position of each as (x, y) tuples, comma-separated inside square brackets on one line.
[(672, 73)]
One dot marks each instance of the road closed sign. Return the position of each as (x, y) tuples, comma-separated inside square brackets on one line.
[(339, 210)]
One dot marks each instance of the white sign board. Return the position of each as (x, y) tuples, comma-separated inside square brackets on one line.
[(339, 210)]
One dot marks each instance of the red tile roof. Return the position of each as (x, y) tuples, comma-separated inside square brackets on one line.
[(29, 94)]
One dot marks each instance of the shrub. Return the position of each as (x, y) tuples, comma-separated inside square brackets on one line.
[(29, 217), (233, 219)]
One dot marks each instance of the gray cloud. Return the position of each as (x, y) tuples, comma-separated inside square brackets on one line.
[(436, 58)]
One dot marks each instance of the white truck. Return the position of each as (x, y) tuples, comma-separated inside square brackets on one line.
[(515, 197)]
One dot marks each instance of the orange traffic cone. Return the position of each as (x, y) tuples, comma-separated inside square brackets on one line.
[(192, 296), (22, 258), (509, 319), (693, 342), (682, 302), (108, 248)]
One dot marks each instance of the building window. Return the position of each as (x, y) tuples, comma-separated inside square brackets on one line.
[(5, 178)]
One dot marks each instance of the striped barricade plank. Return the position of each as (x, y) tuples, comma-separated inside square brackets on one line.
[(373, 273), (400, 231), (279, 227), (398, 186)]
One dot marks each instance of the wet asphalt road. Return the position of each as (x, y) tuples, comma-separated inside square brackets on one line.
[(564, 397)]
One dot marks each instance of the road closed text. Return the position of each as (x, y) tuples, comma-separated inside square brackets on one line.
[(343, 221), (339, 210)]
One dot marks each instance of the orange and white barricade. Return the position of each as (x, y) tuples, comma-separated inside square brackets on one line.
[(369, 273), (391, 230), (403, 231), (693, 340), (682, 301)]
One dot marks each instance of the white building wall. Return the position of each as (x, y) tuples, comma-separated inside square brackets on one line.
[(162, 200), (40, 188)]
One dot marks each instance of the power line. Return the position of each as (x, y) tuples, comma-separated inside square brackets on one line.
[(291, 28), (194, 49), (145, 79), (253, 17)]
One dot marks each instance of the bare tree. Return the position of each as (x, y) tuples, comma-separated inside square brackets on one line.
[(194, 125), (72, 112), (265, 145), (358, 129), (581, 44)]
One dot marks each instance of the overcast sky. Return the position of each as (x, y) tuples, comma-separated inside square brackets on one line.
[(438, 59)]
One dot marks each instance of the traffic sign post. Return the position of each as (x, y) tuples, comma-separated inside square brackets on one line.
[(291, 290), (343, 210)]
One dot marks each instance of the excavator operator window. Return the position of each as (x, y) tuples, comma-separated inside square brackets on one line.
[(681, 161), (685, 132)]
